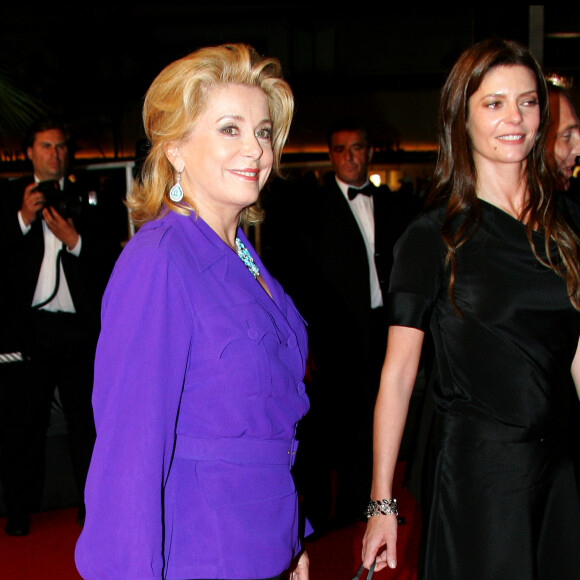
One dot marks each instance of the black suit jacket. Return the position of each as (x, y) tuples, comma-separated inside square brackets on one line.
[(86, 274), (335, 298)]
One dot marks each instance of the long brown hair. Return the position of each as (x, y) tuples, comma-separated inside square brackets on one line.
[(455, 176)]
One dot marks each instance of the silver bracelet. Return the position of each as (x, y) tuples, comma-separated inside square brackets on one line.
[(385, 507)]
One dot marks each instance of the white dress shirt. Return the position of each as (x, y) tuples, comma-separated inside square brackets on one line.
[(362, 209), (62, 302)]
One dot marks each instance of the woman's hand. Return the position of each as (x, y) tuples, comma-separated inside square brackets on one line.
[(300, 571), (380, 542)]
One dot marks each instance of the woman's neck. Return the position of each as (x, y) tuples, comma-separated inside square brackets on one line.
[(223, 223), (503, 186)]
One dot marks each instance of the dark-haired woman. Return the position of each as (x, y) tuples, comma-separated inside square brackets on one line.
[(491, 270)]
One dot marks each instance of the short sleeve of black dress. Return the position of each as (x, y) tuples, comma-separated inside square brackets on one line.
[(418, 272)]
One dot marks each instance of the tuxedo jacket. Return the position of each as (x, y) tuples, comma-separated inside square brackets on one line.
[(86, 274), (336, 298)]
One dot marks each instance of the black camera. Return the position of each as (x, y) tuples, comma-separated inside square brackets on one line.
[(67, 204)]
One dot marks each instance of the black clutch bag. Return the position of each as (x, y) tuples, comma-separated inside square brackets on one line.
[(358, 575)]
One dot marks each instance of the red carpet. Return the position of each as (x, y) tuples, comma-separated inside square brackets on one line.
[(47, 553)]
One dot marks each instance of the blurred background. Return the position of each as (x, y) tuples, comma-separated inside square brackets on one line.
[(94, 63)]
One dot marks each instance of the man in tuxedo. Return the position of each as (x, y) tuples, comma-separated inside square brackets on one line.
[(348, 239), (55, 269)]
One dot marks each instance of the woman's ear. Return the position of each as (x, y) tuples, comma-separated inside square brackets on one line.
[(173, 154)]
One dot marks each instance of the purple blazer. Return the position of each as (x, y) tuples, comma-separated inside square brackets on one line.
[(198, 391)]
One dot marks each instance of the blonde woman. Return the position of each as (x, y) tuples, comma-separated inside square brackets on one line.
[(198, 380)]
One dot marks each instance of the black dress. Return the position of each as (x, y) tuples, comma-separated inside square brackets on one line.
[(505, 503)]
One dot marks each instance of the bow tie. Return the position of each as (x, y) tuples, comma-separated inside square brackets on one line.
[(354, 191)]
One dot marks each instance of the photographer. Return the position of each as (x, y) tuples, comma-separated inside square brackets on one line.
[(55, 272)]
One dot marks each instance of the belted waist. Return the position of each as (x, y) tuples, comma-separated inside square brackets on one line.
[(463, 426), (239, 450)]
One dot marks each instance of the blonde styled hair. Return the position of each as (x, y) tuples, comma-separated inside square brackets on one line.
[(173, 104)]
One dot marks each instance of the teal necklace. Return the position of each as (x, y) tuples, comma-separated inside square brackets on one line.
[(246, 258)]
